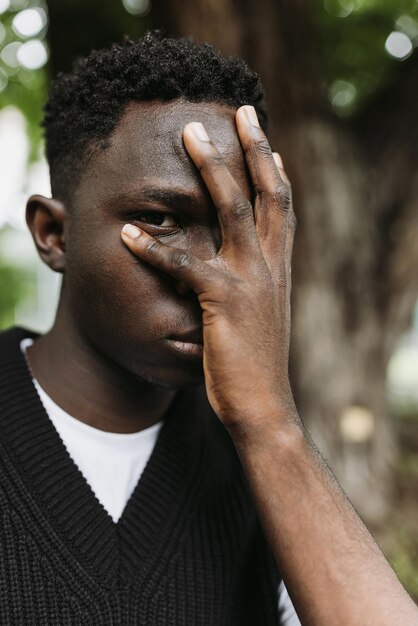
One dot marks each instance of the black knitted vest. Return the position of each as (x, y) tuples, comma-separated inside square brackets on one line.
[(187, 550)]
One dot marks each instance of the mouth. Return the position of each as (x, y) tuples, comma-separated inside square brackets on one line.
[(189, 342)]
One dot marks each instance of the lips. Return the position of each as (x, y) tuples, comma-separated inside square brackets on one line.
[(194, 335)]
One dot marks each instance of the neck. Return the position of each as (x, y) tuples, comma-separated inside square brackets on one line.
[(90, 387)]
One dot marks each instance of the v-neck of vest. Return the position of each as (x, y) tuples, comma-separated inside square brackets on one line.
[(112, 552)]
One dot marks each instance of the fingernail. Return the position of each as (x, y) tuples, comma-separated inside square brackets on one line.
[(131, 231), (251, 115), (198, 131)]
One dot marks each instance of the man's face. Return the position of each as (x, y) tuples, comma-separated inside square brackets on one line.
[(127, 309)]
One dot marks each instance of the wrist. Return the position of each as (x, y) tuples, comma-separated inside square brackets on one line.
[(266, 423)]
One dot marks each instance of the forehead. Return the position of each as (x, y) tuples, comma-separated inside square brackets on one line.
[(146, 148)]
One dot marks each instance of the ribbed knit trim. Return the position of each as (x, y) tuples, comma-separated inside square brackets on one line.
[(112, 552)]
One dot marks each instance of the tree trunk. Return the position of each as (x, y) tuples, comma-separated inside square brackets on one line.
[(354, 284), (77, 26)]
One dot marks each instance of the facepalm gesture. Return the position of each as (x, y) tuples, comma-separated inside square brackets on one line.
[(244, 292)]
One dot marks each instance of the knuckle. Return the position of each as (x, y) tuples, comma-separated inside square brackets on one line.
[(153, 247), (180, 260), (282, 195), (211, 161), (263, 147), (214, 160), (260, 148), (242, 209)]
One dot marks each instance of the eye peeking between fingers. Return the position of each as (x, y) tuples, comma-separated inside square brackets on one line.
[(156, 222)]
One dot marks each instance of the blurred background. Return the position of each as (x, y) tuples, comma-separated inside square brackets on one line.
[(341, 80)]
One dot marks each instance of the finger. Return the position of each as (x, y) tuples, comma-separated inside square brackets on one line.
[(235, 212), (279, 164), (291, 226), (273, 195), (288, 230), (179, 264), (258, 154)]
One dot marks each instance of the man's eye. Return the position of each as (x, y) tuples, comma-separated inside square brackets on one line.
[(158, 219)]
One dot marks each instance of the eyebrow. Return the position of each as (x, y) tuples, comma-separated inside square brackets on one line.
[(170, 198)]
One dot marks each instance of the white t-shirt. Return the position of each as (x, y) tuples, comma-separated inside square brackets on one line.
[(112, 464)]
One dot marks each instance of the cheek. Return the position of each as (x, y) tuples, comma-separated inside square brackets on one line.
[(105, 281), (113, 295)]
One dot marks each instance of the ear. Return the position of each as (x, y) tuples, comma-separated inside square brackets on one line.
[(47, 218)]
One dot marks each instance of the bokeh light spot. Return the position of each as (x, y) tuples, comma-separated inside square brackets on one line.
[(342, 94), (29, 22), (32, 54), (137, 7), (9, 54), (339, 8), (398, 45), (4, 5), (357, 424), (406, 24), (18, 5)]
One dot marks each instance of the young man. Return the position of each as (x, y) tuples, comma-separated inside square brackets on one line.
[(172, 224)]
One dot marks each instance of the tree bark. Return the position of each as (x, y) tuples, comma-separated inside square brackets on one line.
[(356, 250), (76, 27)]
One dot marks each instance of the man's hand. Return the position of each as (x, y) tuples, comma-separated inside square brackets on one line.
[(330, 564), (244, 292)]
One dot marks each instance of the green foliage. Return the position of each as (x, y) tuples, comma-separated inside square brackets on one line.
[(16, 283), (403, 553), (405, 564), (30, 100), (353, 34), (19, 86), (12, 289)]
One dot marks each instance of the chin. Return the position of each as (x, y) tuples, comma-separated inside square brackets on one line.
[(173, 376), (174, 385)]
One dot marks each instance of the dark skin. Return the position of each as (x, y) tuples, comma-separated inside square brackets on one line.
[(106, 289), (224, 265)]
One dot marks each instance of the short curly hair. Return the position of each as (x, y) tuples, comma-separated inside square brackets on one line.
[(84, 106)]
